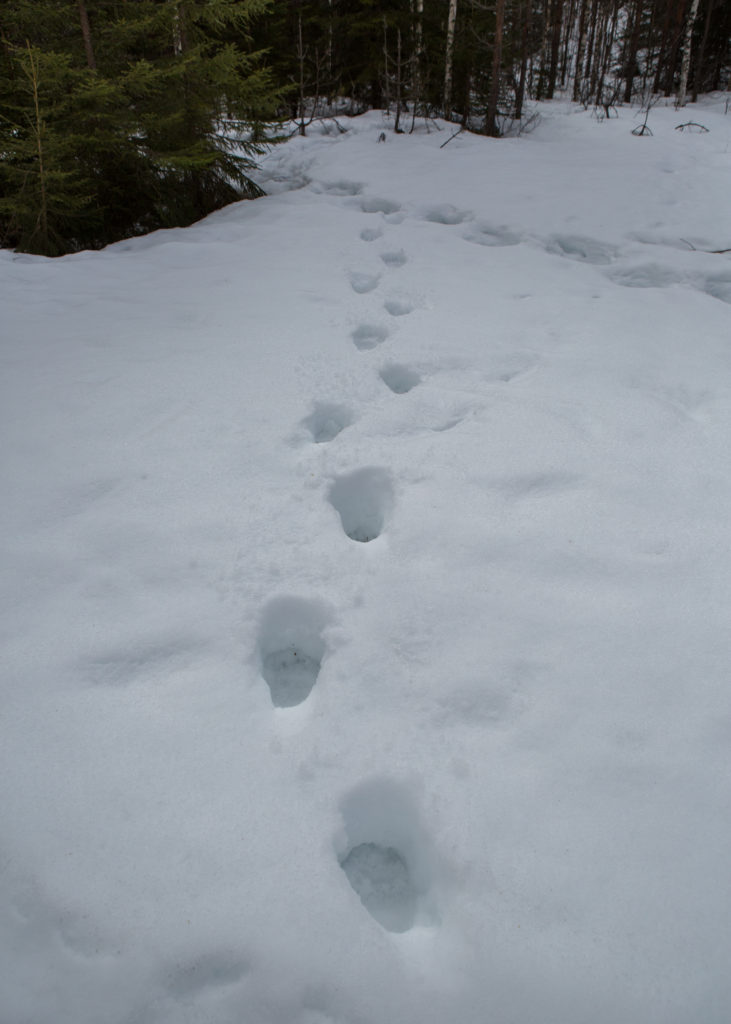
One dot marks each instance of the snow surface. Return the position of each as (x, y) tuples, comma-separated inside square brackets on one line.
[(365, 601)]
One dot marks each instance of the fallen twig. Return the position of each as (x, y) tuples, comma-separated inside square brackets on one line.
[(454, 136), (711, 252)]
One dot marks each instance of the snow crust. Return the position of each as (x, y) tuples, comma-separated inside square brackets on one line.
[(365, 596)]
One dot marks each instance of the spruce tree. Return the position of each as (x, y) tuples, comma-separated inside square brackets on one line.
[(116, 119)]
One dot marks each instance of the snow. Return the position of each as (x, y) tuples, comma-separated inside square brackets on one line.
[(365, 602)]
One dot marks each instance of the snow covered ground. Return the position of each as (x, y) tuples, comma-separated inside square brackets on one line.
[(365, 595)]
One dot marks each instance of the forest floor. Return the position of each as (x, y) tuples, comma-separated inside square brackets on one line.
[(365, 597)]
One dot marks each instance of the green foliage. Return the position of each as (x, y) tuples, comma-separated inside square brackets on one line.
[(163, 128)]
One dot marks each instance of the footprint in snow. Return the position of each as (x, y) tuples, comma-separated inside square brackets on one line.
[(394, 259), (447, 214), (291, 648), (366, 336), (370, 234), (363, 500), (491, 236), (386, 855), (364, 283), (326, 421), (398, 306), (399, 378), (584, 250), (375, 204)]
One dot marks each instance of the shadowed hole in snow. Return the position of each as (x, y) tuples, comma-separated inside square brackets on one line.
[(575, 247), (394, 259), (400, 379), (363, 499), (367, 336), (386, 855), (398, 306), (446, 214), (291, 648), (380, 877), (489, 235), (363, 283), (327, 421), (370, 234), (374, 204)]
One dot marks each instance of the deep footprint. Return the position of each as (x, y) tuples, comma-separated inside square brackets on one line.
[(487, 234), (400, 379), (363, 283), (394, 259), (327, 421), (363, 500), (446, 214), (367, 336), (374, 204), (387, 855), (398, 307), (380, 876), (291, 675), (291, 648), (586, 250)]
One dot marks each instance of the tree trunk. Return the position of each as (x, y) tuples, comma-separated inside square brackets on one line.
[(418, 58), (451, 21), (578, 76), (42, 221), (700, 58), (543, 75), (598, 55), (556, 18), (491, 125), (677, 32), (607, 57), (630, 57), (301, 65), (525, 17), (397, 124), (686, 53), (568, 32), (590, 46), (86, 33)]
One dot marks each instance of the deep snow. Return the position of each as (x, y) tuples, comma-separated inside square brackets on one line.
[(365, 593)]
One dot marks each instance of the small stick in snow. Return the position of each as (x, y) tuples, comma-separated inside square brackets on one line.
[(454, 136), (711, 252)]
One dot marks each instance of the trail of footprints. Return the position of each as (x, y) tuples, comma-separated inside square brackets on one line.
[(384, 851)]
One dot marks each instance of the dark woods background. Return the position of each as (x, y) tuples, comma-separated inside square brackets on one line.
[(121, 116)]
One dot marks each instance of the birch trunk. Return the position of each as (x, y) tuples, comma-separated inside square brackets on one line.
[(451, 22), (491, 125), (685, 67)]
